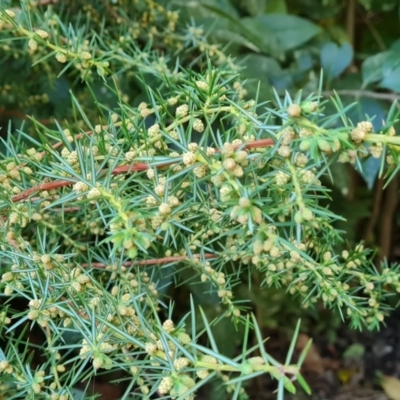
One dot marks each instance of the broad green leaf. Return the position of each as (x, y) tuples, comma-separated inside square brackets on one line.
[(289, 31), (335, 59), (266, 72), (391, 72), (372, 68), (304, 60), (266, 43), (233, 38), (259, 65), (262, 36)]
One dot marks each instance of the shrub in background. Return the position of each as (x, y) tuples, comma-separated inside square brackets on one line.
[(117, 199)]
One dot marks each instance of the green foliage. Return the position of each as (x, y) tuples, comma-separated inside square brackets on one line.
[(163, 168), (355, 46)]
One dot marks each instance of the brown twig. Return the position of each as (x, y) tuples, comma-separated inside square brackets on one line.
[(18, 114), (350, 20), (39, 188), (375, 211), (388, 210), (123, 169), (154, 261)]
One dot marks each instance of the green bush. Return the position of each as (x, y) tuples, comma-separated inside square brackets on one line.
[(157, 171)]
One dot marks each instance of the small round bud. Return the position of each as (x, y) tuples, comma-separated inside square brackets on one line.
[(298, 217), (189, 158), (229, 164), (10, 13), (165, 385), (202, 85), (32, 44), (202, 374), (284, 151), (324, 146), (301, 160), (181, 363), (244, 202), (238, 171), (366, 126), (184, 338), (391, 131), (97, 362), (305, 145), (36, 388), (257, 247), (294, 111), (85, 55), (240, 156), (151, 348), (43, 34), (309, 106), (358, 135), (168, 326), (164, 209), (198, 125), (182, 111), (61, 58), (307, 214)]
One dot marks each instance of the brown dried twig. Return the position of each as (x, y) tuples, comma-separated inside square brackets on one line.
[(153, 261), (123, 169)]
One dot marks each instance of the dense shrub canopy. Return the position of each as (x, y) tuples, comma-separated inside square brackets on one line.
[(148, 164)]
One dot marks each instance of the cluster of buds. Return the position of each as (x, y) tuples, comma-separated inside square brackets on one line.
[(12, 280), (359, 133), (306, 107), (98, 350), (177, 385), (6, 367), (245, 210), (234, 160), (77, 280)]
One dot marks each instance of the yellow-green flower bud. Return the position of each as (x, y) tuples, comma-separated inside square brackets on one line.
[(324, 146), (294, 111), (305, 145), (309, 106)]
